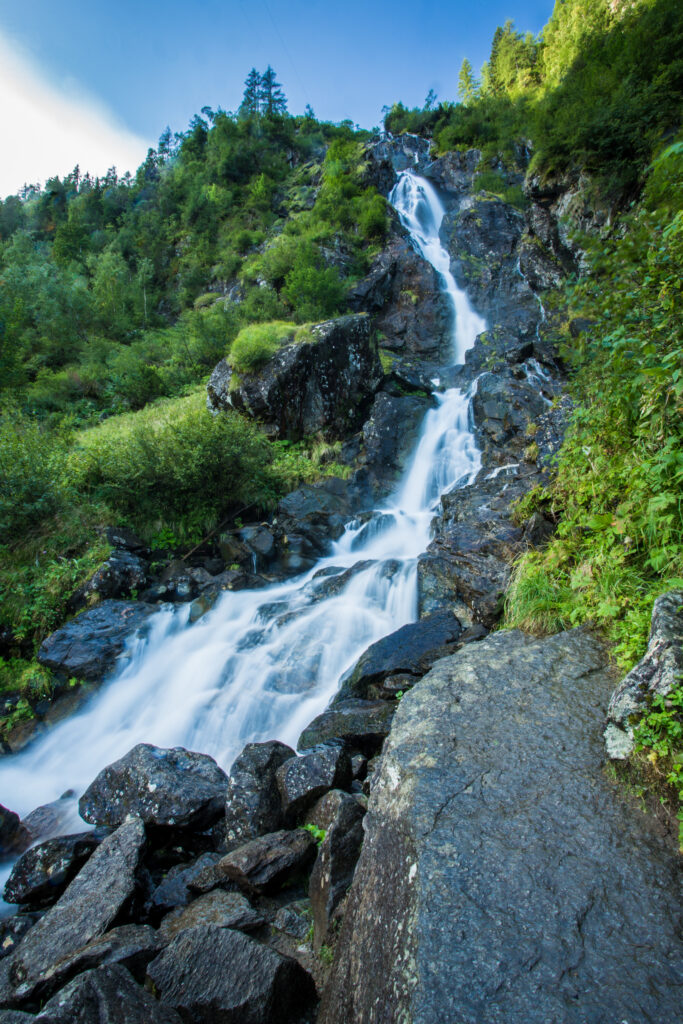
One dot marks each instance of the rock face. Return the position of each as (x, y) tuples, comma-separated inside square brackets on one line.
[(503, 877), (403, 293), (321, 386), (85, 911), (174, 787), (333, 870), (123, 572), (218, 976), (14, 837), (87, 646), (658, 672)]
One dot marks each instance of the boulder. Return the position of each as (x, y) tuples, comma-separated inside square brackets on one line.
[(322, 385), (50, 820), (252, 803), (121, 574), (408, 652), (43, 872), (174, 891), (87, 647), (213, 975), (173, 788), (219, 908), (390, 433), (14, 836), (294, 920), (359, 724), (93, 900), (334, 866), (301, 780), (106, 996), (265, 864), (657, 673), (12, 930), (123, 538), (502, 876)]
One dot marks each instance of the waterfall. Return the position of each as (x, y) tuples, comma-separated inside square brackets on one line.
[(261, 664)]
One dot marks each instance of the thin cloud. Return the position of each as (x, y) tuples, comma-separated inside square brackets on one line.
[(48, 128)]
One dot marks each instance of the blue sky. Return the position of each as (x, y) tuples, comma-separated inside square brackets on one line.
[(138, 66)]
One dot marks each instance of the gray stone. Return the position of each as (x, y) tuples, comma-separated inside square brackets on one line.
[(106, 996), (263, 865), (360, 724), (218, 976), (302, 780), (14, 836), (94, 899), (658, 672), (222, 909), (503, 877), (13, 929), (87, 647), (121, 574), (252, 804), (294, 920), (42, 873), (175, 787), (175, 889)]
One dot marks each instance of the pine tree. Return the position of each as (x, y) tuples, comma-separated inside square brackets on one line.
[(272, 98), (466, 83), (251, 100)]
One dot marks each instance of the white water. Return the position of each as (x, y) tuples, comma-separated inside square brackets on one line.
[(261, 664)]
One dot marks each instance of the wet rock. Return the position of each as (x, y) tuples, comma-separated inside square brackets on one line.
[(180, 582), (301, 780), (503, 407), (121, 574), (310, 518), (323, 385), (390, 433), (42, 873), (409, 651), (403, 293), (294, 920), (49, 819), (214, 974), (327, 808), (124, 538), (484, 238), (539, 265), (334, 866), (15, 1017), (359, 724), (219, 908), (253, 805), (175, 787), (106, 996), (14, 836), (174, 891), (12, 930), (231, 579), (87, 647), (265, 864), (84, 912), (502, 875), (454, 171), (658, 672)]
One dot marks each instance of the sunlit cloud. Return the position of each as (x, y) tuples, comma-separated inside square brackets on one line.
[(47, 128)]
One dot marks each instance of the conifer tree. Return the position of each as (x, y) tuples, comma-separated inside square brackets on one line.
[(466, 83), (272, 98), (251, 99)]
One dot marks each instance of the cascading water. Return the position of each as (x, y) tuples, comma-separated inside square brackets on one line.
[(261, 664)]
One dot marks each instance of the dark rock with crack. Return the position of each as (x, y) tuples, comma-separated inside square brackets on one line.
[(502, 876), (252, 804)]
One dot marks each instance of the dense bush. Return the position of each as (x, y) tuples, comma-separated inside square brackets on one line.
[(258, 343), (32, 462)]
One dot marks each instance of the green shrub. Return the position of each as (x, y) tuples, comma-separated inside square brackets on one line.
[(32, 461), (175, 464)]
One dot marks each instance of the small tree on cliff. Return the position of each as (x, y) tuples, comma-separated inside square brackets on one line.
[(271, 97), (467, 86), (251, 100)]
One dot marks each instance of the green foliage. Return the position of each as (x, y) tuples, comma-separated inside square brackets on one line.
[(27, 678), (174, 464), (660, 733), (258, 343), (326, 955), (317, 833), (617, 491), (32, 462)]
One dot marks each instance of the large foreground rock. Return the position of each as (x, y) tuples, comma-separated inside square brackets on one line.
[(503, 878), (253, 805), (88, 646), (218, 976), (42, 873), (175, 787), (86, 910), (106, 996), (323, 385), (657, 673)]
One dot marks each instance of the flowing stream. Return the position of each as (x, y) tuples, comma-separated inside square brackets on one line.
[(261, 664)]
